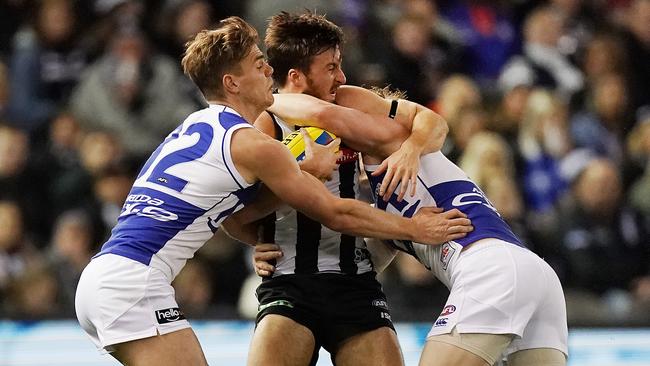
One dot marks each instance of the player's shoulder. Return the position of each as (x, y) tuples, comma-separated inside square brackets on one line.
[(252, 143)]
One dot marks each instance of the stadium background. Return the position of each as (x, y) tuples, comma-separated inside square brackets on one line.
[(548, 104)]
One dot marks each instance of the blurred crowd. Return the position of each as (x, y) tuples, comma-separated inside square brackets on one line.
[(548, 104)]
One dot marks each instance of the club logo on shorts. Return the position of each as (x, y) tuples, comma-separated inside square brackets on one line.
[(380, 303), (446, 253), (441, 322), (170, 315), (448, 310)]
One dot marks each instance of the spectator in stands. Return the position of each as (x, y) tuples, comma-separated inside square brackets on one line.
[(541, 144), (4, 88), (488, 161), (179, 22), (639, 151), (33, 295), (581, 20), (488, 37), (636, 39), (469, 121), (74, 187), (416, 60), (133, 93), (45, 65), (17, 253), (602, 241), (509, 113), (541, 62), (543, 141), (20, 181), (456, 92), (602, 123), (69, 252)]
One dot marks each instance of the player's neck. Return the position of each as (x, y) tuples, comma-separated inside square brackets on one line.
[(247, 111), (290, 88)]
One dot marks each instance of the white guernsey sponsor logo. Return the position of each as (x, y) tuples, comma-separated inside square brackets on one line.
[(147, 206)]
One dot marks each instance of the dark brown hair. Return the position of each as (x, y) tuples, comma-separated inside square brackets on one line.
[(292, 40), (214, 53)]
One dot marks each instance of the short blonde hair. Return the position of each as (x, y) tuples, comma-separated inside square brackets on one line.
[(214, 53)]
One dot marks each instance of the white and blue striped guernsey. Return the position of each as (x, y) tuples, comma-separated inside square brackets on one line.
[(443, 184), (184, 191)]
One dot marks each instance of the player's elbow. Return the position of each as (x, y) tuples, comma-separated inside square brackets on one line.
[(442, 125), (325, 112)]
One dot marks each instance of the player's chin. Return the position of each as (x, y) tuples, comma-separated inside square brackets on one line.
[(269, 99), (330, 97)]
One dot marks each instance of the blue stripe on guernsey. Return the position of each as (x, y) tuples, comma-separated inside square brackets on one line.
[(459, 194), (227, 121), (245, 196), (323, 139), (149, 219), (468, 198), (248, 194)]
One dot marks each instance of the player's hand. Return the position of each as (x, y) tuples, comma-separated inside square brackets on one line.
[(436, 227), (264, 258), (401, 169), (320, 160)]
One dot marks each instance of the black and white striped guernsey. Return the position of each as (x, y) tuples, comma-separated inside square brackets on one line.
[(308, 246)]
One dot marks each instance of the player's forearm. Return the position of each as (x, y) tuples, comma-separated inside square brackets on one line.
[(360, 131), (264, 204), (298, 109), (360, 219), (245, 233)]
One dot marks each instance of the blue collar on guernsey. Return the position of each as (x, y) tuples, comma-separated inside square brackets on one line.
[(225, 108)]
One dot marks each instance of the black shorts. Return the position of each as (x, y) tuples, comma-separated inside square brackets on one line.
[(333, 306)]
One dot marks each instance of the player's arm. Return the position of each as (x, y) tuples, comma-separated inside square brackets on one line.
[(375, 135), (252, 152), (428, 133), (242, 225), (428, 130)]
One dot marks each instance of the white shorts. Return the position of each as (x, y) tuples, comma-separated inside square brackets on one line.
[(500, 288), (120, 300)]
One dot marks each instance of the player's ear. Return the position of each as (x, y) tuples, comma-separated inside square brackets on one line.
[(296, 78), (230, 83)]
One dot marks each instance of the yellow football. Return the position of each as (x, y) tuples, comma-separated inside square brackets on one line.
[(296, 144)]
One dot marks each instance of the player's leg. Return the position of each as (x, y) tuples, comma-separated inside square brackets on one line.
[(129, 308), (537, 357), (281, 341), (376, 347), (469, 349), (176, 348)]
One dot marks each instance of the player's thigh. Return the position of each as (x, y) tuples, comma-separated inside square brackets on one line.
[(537, 357), (376, 347), (445, 354), (176, 348), (473, 349), (280, 341)]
